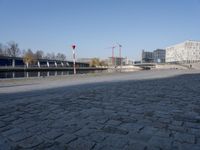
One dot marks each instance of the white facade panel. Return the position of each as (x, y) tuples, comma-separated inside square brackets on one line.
[(188, 51)]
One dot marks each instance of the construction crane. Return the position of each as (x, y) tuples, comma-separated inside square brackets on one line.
[(113, 55), (120, 57)]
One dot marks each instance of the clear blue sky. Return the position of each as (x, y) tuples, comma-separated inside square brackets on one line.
[(53, 25)]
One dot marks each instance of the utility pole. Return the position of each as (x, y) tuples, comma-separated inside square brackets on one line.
[(113, 59), (120, 56), (74, 58)]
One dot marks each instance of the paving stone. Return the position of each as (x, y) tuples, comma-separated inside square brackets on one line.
[(125, 119), (165, 120), (11, 131), (5, 128), (198, 141), (117, 141), (149, 130), (71, 129), (192, 125), (84, 132), (194, 132), (133, 127), (59, 124), (113, 123), (46, 145), (136, 146), (114, 130), (163, 133), (27, 124), (106, 147), (4, 145), (2, 124), (66, 138), (102, 120), (115, 116), (177, 128), (80, 144), (53, 134), (52, 147), (177, 123), (182, 137), (160, 125), (185, 146), (30, 142), (19, 136), (9, 118), (95, 125), (96, 137), (160, 142), (139, 137)]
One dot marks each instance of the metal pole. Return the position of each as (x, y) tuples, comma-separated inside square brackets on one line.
[(120, 58), (74, 58), (113, 56)]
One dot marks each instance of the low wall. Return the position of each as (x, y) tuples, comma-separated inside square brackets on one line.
[(171, 66)]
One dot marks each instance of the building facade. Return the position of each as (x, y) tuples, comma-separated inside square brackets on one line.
[(147, 57), (6, 61), (159, 56), (186, 52), (128, 61), (116, 61)]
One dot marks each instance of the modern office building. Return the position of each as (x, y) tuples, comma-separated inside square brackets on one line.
[(147, 57), (186, 52), (159, 56)]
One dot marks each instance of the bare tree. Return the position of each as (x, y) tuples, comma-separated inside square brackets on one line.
[(13, 49), (60, 56), (47, 56), (23, 52), (51, 56), (39, 54), (1, 50)]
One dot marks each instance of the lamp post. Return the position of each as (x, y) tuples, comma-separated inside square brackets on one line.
[(120, 57), (74, 58), (113, 59)]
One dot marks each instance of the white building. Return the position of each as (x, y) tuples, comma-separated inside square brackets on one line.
[(186, 52), (128, 61)]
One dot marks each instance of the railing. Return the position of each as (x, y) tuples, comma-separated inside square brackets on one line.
[(35, 67)]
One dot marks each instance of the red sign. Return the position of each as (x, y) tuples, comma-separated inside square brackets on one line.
[(73, 46)]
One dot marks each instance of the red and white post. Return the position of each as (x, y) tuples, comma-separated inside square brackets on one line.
[(120, 57), (74, 58)]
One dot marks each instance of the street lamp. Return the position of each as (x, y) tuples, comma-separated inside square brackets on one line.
[(74, 58)]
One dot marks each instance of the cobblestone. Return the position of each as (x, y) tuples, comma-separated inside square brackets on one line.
[(81, 144), (185, 138), (143, 115)]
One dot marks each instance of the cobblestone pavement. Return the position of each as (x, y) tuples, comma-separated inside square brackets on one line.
[(159, 114)]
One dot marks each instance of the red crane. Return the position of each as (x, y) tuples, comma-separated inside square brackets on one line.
[(120, 55), (113, 55)]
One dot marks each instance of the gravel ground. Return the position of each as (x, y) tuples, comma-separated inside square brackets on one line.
[(148, 110)]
